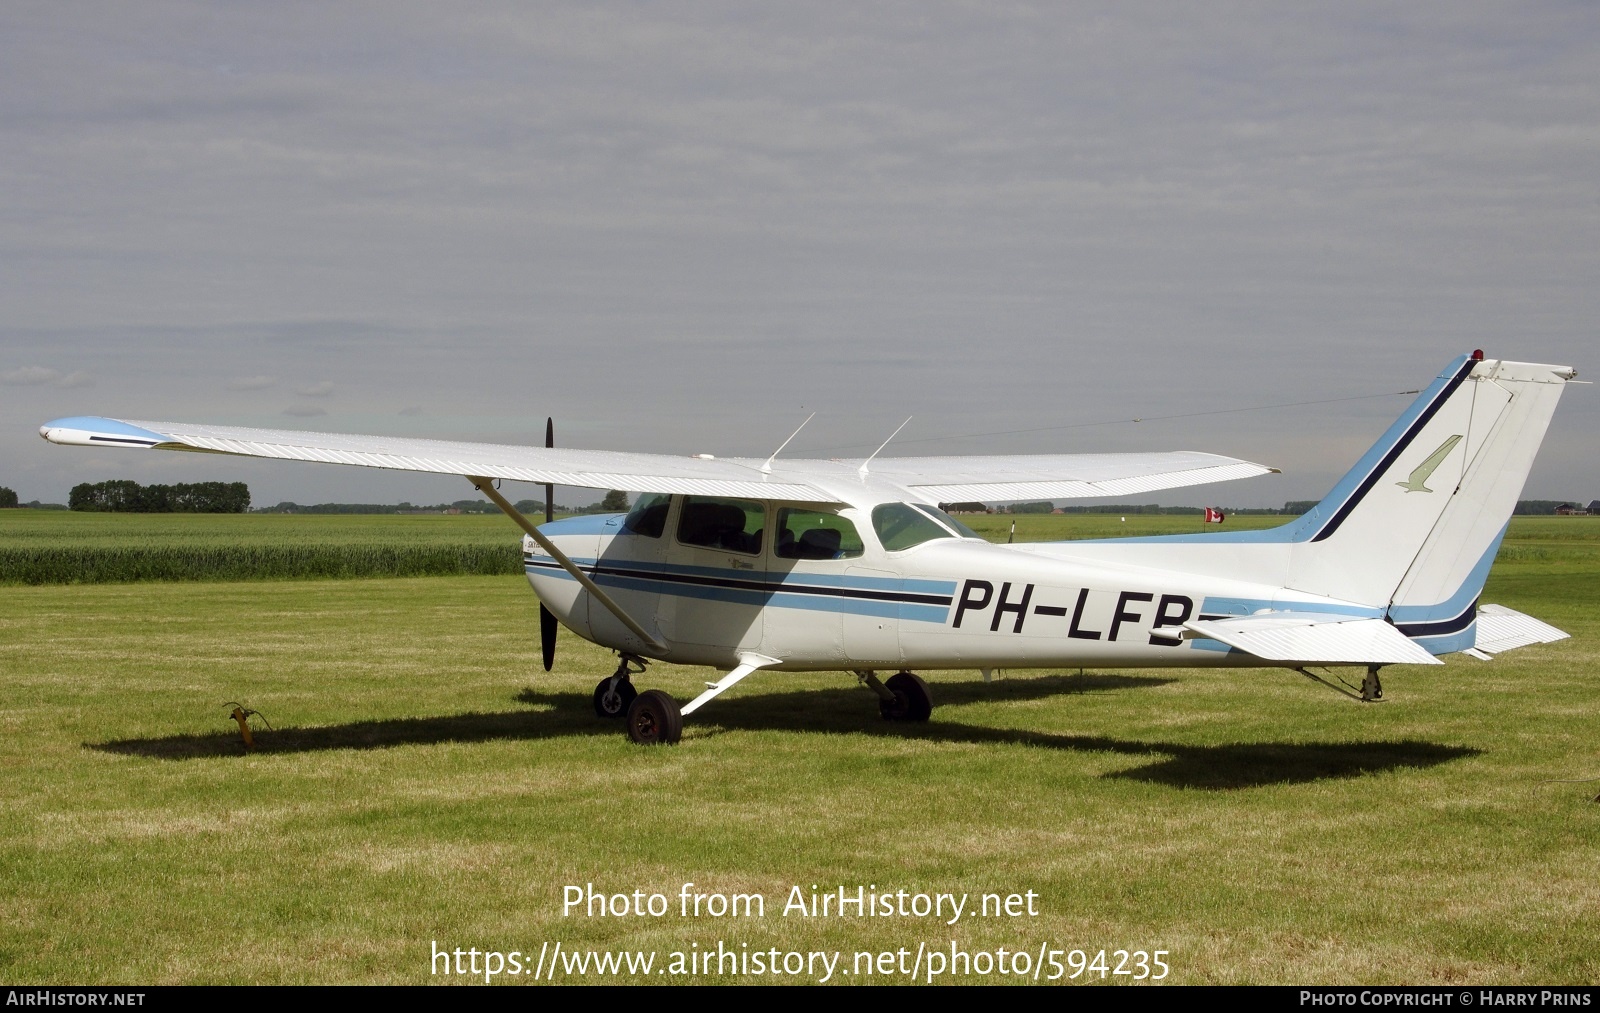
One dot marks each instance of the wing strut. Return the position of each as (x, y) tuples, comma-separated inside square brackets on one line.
[(486, 486), (747, 663)]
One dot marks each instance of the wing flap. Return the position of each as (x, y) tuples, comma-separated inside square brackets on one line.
[(1309, 638), (1061, 476)]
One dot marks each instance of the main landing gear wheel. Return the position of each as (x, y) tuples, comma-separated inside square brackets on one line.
[(613, 696), (912, 701), (654, 719)]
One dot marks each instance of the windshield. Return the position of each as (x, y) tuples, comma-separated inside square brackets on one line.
[(900, 526), (948, 521), (648, 516)]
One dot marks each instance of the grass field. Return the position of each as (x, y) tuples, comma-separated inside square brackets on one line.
[(426, 781)]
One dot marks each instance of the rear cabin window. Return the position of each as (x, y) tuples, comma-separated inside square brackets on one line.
[(648, 516), (735, 525), (815, 534), (900, 526)]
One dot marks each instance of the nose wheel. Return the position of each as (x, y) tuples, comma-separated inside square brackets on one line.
[(614, 694), (613, 697), (652, 718)]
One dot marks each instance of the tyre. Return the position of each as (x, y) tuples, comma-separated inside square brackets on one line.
[(912, 701), (609, 703), (654, 719)]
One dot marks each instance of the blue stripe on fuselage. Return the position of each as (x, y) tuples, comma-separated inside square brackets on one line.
[(916, 600)]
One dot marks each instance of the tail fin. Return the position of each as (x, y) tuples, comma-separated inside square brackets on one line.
[(1416, 523)]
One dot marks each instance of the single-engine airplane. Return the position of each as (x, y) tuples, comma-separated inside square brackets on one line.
[(810, 565)]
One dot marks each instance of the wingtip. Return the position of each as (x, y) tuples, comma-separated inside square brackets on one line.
[(92, 431)]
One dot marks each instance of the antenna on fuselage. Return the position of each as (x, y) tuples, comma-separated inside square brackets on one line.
[(862, 471), (766, 469)]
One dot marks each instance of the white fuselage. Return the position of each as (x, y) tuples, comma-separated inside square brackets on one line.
[(949, 602)]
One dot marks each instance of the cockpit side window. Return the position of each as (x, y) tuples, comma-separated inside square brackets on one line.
[(815, 534), (732, 524), (648, 516), (900, 526)]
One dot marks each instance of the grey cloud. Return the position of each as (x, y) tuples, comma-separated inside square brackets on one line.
[(252, 383), (412, 410), (305, 411), (669, 228), (38, 376), (28, 376)]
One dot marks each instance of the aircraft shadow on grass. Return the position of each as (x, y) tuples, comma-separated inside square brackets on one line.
[(841, 711)]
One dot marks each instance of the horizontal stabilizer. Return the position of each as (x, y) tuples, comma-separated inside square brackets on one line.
[(1502, 629), (1314, 638)]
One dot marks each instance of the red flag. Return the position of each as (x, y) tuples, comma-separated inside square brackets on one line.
[(1215, 515)]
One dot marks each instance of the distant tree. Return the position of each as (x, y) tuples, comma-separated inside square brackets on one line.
[(123, 496), (118, 496), (1539, 507), (8, 497), (616, 501)]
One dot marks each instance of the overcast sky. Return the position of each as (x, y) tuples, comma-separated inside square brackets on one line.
[(684, 227)]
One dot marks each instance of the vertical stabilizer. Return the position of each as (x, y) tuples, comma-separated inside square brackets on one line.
[(1415, 524)]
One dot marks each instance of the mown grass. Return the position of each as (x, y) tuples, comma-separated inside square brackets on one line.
[(427, 781)]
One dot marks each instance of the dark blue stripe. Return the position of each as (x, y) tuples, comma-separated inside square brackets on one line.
[(1373, 476), (643, 580), (1455, 624)]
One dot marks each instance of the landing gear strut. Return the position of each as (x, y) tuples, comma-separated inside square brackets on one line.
[(1371, 688), (904, 697), (614, 694)]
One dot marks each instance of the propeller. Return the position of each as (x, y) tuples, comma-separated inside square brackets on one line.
[(547, 619)]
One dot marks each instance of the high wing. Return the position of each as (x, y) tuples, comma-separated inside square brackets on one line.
[(596, 469), (1053, 476)]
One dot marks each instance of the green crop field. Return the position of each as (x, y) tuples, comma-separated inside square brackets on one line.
[(427, 784), (60, 547)]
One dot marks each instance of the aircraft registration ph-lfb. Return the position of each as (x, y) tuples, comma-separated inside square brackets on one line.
[(790, 565)]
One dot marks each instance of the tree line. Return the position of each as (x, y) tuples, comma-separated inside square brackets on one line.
[(124, 496)]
